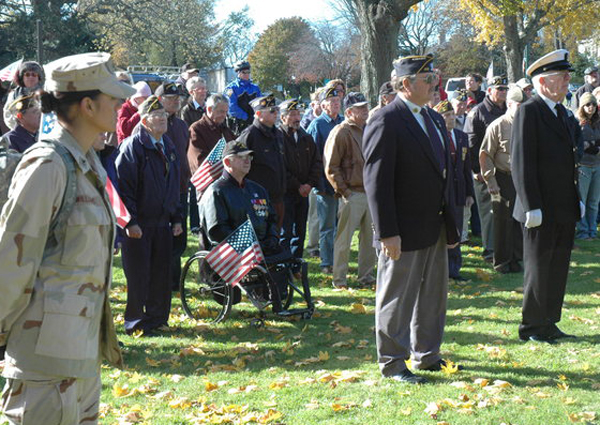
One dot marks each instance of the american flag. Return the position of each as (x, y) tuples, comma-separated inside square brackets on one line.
[(233, 258), (8, 72), (210, 169), (119, 208)]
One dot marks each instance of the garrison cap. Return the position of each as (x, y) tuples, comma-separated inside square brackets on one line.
[(85, 72), (235, 147), (461, 95), (291, 105), (590, 70), (557, 60), (23, 103), (241, 66), (168, 89), (327, 93), (150, 105), (498, 81), (354, 99), (443, 107), (263, 102), (386, 88), (412, 65)]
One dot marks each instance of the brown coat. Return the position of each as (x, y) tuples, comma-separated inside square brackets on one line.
[(204, 135), (343, 158)]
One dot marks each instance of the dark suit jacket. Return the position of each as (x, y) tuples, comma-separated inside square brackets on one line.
[(407, 193), (543, 163), (463, 177)]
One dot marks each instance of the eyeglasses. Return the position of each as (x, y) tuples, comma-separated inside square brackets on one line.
[(430, 78), (501, 88), (245, 72), (273, 109), (30, 74)]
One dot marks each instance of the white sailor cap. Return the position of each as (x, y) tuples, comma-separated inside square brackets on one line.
[(557, 60)]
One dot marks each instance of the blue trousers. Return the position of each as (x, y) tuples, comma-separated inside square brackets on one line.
[(294, 224)]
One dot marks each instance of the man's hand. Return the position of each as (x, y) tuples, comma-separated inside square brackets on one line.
[(391, 247), (177, 229), (533, 218), (493, 187), (304, 190), (478, 177), (469, 201), (134, 231), (452, 246)]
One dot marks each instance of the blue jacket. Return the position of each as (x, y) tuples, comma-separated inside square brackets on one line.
[(150, 193), (319, 129), (234, 90)]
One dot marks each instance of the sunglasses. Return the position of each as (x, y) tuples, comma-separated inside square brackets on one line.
[(501, 88), (245, 72), (30, 74)]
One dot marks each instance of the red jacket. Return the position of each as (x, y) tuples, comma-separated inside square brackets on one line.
[(127, 119)]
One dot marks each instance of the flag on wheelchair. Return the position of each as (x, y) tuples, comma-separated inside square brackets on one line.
[(210, 169), (233, 258)]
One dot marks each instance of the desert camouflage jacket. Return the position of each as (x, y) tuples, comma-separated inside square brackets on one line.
[(54, 308)]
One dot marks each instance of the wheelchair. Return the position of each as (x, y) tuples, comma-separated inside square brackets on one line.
[(205, 296)]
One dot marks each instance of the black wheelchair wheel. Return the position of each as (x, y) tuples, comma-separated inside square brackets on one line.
[(204, 295)]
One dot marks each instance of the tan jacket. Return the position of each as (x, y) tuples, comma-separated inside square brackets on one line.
[(343, 159), (54, 309), (496, 146)]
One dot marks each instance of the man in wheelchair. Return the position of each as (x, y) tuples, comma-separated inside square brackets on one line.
[(230, 201)]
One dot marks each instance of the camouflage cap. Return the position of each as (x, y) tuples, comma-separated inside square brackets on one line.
[(85, 72)]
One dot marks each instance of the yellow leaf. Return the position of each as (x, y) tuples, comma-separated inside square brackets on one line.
[(358, 308), (152, 363), (323, 356), (562, 386), (210, 386), (483, 275), (482, 382), (443, 423), (569, 400), (270, 416), (406, 411), (433, 409), (277, 385), (180, 403), (314, 404), (449, 368), (121, 391)]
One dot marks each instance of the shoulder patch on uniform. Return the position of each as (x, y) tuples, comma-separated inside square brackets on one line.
[(229, 92)]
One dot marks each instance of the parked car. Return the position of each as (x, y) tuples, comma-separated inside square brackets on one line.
[(454, 84)]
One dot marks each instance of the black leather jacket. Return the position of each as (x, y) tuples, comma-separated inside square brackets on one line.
[(226, 205)]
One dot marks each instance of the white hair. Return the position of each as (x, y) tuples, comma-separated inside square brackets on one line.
[(215, 99), (193, 82)]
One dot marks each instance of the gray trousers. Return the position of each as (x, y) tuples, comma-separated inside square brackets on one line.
[(313, 223), (484, 207), (410, 310)]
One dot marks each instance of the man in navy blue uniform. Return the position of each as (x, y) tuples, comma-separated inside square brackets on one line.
[(26, 112), (408, 181), (148, 175), (458, 144), (169, 95), (240, 93)]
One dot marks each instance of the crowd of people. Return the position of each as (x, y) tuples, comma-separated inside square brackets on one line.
[(412, 175)]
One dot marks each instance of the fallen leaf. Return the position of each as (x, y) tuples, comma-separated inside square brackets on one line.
[(450, 368), (358, 309)]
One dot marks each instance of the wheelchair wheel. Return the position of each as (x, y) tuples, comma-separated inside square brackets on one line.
[(204, 295)]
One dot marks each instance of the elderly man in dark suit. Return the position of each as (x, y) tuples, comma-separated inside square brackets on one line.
[(458, 144), (544, 140), (408, 182)]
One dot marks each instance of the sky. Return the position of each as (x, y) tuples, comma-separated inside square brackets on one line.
[(265, 12)]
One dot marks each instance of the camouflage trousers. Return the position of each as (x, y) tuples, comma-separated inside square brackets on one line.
[(71, 401)]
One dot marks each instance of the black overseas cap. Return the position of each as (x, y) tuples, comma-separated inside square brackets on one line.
[(498, 81), (291, 105), (386, 88), (412, 65), (263, 102), (354, 99), (167, 89), (235, 147)]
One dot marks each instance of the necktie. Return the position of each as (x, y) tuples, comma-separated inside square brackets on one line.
[(161, 152), (434, 138), (452, 147), (562, 115)]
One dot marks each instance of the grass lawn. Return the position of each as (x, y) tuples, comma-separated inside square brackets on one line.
[(324, 370)]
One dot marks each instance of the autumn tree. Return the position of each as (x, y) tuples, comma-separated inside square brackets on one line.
[(379, 25), (155, 32), (516, 24), (422, 28), (276, 46)]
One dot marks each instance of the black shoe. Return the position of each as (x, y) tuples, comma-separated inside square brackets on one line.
[(516, 267), (539, 338), (314, 254), (458, 278), (437, 366), (558, 334), (195, 231), (408, 377)]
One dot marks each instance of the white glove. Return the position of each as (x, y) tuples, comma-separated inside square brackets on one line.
[(533, 218), (582, 209)]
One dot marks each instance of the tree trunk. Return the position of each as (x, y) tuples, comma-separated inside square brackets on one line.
[(379, 22), (513, 50)]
